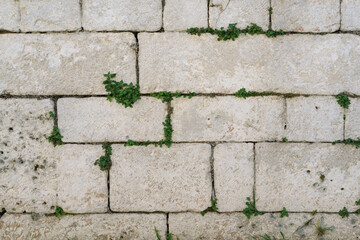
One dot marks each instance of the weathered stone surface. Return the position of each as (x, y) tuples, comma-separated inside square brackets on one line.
[(225, 12), (82, 186), (350, 17), (89, 226), (234, 175), (314, 119), (306, 15), (27, 167), (228, 119), (9, 15), (160, 179), (184, 14), (42, 64), (309, 64), (134, 15), (305, 177), (352, 122), (50, 15), (97, 120), (193, 226)]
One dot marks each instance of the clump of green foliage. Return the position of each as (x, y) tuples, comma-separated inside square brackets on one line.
[(284, 139), (104, 162), (284, 213), (126, 94), (213, 207), (59, 212), (56, 137), (267, 237), (349, 141), (169, 236), (314, 212), (232, 32), (344, 213), (270, 10), (320, 230), (251, 207), (52, 115), (357, 202), (168, 96), (343, 100), (133, 143), (242, 93)]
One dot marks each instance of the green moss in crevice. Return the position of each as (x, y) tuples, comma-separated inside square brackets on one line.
[(168, 96), (349, 141), (343, 100), (242, 93), (344, 213), (59, 212), (213, 207), (56, 137), (251, 207), (104, 162), (284, 213)]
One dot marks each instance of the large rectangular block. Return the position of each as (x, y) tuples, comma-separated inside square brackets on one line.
[(307, 177), (88, 226), (306, 15), (134, 15), (350, 17), (66, 64), (309, 64), (50, 15), (314, 119), (234, 175), (98, 120), (352, 122), (160, 179), (243, 12), (9, 15), (27, 165), (228, 119)]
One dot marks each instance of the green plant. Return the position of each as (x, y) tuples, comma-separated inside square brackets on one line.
[(251, 207), (213, 207), (344, 213), (59, 212), (104, 162), (272, 33), (267, 237), (242, 93), (168, 96), (126, 94), (55, 137), (314, 212), (284, 213), (357, 202), (284, 139), (349, 141), (168, 130), (133, 143), (320, 230), (52, 115), (270, 10), (169, 236), (343, 100)]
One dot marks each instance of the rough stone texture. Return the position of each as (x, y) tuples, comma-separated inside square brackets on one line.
[(289, 175), (350, 17), (97, 120), (193, 226), (82, 186), (9, 15), (228, 119), (306, 15), (110, 15), (42, 64), (27, 166), (184, 14), (160, 179), (243, 12), (314, 119), (309, 64), (234, 175), (50, 15), (352, 122), (89, 226)]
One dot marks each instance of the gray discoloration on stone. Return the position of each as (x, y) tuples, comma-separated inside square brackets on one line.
[(234, 175), (50, 15), (9, 15), (306, 15), (350, 17), (27, 166), (160, 179), (42, 64), (228, 119), (243, 12), (89, 226), (289, 174), (352, 122), (134, 15), (314, 119), (82, 186), (98, 120)]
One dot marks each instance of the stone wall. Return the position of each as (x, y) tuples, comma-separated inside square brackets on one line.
[(219, 147)]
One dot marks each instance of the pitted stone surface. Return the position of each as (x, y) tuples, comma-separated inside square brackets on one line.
[(352, 122), (50, 15), (350, 17), (243, 12), (307, 64), (234, 175), (160, 179), (9, 15), (228, 119), (27, 165), (314, 119), (88, 226), (184, 14), (75, 167), (306, 15), (305, 177), (43, 64), (97, 120), (110, 15)]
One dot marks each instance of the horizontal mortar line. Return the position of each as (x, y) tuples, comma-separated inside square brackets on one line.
[(192, 142)]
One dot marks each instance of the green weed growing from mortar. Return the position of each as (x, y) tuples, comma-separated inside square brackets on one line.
[(213, 207), (349, 141), (169, 236), (104, 162), (320, 230), (52, 115), (270, 10), (168, 96), (242, 93), (343, 100), (251, 207), (344, 213), (133, 143), (55, 137), (284, 139), (267, 237), (59, 212), (126, 94), (284, 213)]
